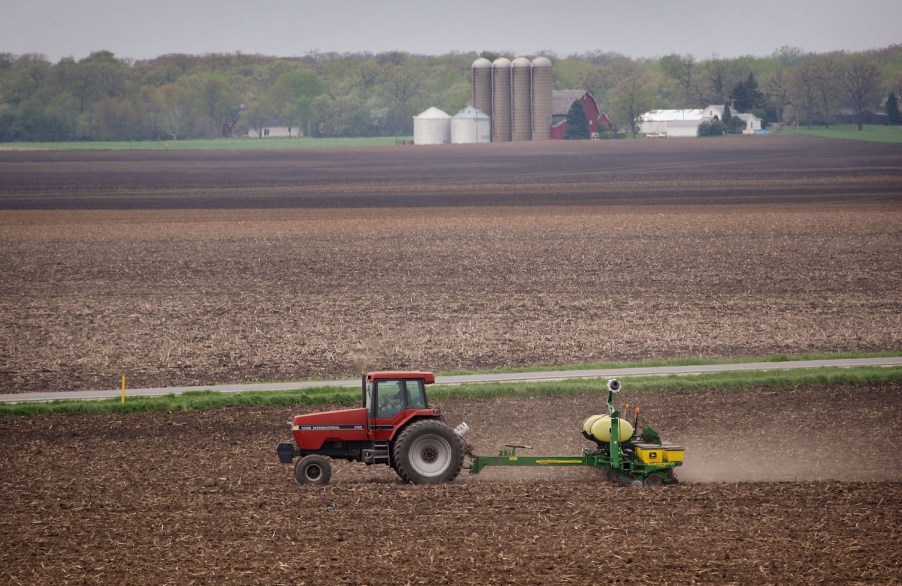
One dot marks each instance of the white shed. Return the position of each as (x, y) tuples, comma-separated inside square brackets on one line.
[(470, 125), (658, 122), (682, 128), (432, 127)]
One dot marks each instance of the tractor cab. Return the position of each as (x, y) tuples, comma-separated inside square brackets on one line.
[(385, 394)]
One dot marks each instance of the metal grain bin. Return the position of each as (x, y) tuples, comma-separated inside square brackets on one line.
[(470, 125), (521, 99), (501, 100), (542, 84), (433, 126)]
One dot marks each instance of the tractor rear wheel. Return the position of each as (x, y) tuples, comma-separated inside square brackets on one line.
[(312, 469), (428, 452)]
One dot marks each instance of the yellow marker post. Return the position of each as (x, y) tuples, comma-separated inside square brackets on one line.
[(123, 388)]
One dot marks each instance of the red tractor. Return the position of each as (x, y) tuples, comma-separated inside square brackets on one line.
[(394, 425)]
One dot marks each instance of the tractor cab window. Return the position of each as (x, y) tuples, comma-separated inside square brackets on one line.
[(390, 396), (416, 398)]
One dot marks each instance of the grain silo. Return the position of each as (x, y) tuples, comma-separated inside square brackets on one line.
[(521, 88), (542, 84), (470, 125), (482, 85), (432, 127), (501, 100)]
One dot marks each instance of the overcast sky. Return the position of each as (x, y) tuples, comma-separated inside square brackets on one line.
[(143, 29)]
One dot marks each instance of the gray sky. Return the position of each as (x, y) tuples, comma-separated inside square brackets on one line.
[(637, 28)]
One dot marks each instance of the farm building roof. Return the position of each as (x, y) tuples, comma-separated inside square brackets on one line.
[(471, 112), (669, 115), (433, 113), (561, 100)]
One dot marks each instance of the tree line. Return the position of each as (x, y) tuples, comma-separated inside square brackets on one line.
[(178, 96)]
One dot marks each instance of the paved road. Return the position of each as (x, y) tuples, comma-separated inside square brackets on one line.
[(460, 379)]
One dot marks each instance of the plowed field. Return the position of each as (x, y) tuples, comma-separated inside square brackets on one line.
[(790, 486), (198, 268), (292, 265)]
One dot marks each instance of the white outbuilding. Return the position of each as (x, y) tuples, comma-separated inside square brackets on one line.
[(671, 122), (470, 125), (685, 123), (432, 126)]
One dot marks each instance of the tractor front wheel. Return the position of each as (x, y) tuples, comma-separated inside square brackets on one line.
[(312, 469), (428, 452)]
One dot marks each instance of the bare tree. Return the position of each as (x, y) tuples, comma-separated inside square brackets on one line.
[(722, 75), (825, 73), (804, 83), (860, 77), (682, 69), (779, 93)]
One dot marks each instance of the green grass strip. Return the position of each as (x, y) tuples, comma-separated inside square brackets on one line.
[(868, 133), (332, 396)]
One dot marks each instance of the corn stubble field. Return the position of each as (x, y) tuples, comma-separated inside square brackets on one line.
[(203, 268)]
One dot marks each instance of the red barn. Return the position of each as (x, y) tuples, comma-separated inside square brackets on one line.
[(561, 100)]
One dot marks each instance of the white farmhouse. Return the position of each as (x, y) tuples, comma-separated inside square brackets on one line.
[(752, 122)]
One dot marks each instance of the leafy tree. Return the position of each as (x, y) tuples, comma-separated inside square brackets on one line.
[(176, 109), (576, 74), (745, 95), (711, 128), (293, 96), (892, 109), (788, 56), (753, 92), (577, 126), (631, 98), (860, 78), (114, 119), (218, 102), (339, 117)]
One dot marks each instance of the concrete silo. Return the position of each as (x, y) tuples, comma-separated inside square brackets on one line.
[(469, 126), (542, 84), (482, 85), (521, 99), (501, 100), (432, 126)]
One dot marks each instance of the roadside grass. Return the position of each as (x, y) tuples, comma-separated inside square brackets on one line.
[(217, 144), (345, 396), (869, 132)]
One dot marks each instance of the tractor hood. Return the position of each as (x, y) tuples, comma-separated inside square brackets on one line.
[(312, 430)]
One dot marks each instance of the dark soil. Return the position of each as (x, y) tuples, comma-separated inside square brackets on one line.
[(778, 246), (788, 486)]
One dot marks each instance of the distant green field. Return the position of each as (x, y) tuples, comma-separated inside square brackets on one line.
[(217, 144), (870, 133)]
